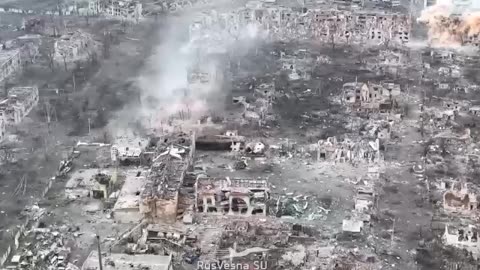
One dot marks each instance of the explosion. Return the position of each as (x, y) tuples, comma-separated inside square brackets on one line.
[(448, 30)]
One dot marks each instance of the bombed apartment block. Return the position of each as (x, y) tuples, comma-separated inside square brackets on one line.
[(232, 196), (460, 199), (20, 101), (159, 198), (123, 10)]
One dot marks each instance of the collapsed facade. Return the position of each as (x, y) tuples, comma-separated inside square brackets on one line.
[(329, 26), (231, 196)]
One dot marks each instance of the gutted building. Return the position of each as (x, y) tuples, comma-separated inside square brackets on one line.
[(231, 196)]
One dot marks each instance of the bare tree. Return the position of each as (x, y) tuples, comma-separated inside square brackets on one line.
[(106, 42), (87, 18), (48, 51), (64, 57)]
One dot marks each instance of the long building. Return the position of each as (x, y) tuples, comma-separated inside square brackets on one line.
[(329, 26)]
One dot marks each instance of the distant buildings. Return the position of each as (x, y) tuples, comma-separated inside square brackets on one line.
[(324, 25), (123, 10)]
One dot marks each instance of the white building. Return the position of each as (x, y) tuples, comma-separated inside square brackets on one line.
[(124, 10)]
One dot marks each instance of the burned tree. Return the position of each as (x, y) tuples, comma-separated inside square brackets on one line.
[(48, 51)]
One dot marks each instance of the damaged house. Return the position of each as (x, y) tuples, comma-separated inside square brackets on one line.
[(159, 198), (231, 196)]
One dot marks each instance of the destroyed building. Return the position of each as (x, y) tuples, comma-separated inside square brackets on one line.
[(74, 46), (18, 104), (119, 9), (159, 198), (231, 196)]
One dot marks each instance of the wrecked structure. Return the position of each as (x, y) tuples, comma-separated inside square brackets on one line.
[(349, 151), (159, 198), (231, 196), (18, 104), (127, 10)]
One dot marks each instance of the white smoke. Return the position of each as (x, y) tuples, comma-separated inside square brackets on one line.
[(163, 82)]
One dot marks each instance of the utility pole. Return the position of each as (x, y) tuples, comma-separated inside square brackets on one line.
[(89, 121), (99, 253)]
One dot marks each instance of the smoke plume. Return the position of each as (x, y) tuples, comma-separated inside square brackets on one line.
[(184, 79), (445, 29)]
